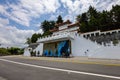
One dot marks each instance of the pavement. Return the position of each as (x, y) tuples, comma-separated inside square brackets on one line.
[(47, 68), (81, 60), (1, 78)]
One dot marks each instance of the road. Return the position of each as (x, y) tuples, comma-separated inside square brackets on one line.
[(14, 68)]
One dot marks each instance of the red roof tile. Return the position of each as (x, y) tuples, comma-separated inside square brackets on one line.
[(66, 22), (54, 29), (73, 25)]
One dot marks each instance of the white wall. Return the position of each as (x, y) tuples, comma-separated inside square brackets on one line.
[(80, 45), (66, 30), (39, 48), (109, 52), (63, 27), (26, 52)]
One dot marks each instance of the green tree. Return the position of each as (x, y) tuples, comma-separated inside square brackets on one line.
[(14, 50), (47, 33), (83, 20), (93, 19), (92, 12), (59, 19), (115, 11), (83, 27), (28, 41), (84, 17), (105, 21), (93, 24), (52, 24), (3, 52), (34, 38), (47, 25)]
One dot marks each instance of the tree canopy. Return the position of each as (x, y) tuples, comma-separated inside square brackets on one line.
[(59, 19), (94, 20), (11, 51), (47, 25)]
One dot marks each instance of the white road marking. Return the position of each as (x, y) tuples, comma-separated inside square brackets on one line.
[(64, 70)]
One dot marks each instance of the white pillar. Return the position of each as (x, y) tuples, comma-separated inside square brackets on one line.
[(26, 52)]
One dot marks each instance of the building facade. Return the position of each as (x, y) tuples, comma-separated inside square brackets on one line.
[(67, 40), (59, 43)]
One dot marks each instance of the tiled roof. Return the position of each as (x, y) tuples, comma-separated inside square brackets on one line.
[(66, 22), (73, 25), (54, 29), (69, 26)]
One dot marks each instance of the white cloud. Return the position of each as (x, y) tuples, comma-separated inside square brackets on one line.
[(2, 9), (76, 6), (39, 31), (20, 17), (12, 36), (3, 22), (80, 6), (53, 17), (69, 17), (25, 10)]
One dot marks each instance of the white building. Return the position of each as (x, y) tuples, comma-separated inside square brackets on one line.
[(66, 41)]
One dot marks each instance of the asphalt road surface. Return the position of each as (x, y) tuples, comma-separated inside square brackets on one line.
[(14, 68)]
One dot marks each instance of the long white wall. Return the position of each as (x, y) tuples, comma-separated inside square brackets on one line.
[(85, 47), (82, 47), (111, 52)]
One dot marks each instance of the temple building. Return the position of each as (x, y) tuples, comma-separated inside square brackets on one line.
[(59, 43), (67, 40)]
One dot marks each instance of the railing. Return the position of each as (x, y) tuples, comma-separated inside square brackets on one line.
[(108, 38), (55, 37)]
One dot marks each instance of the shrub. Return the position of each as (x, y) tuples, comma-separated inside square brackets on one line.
[(3, 52)]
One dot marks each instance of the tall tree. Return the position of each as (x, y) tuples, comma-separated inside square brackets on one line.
[(52, 24), (105, 21), (116, 13), (92, 12), (83, 27), (93, 19), (28, 41), (47, 25), (93, 23), (34, 38), (83, 20), (84, 17), (116, 16), (59, 19)]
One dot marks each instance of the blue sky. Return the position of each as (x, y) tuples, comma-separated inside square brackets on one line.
[(19, 19)]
